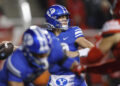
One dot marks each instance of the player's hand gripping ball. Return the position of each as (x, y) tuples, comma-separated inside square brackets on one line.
[(5, 50)]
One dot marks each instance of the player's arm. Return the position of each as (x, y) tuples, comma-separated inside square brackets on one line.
[(96, 53), (14, 80), (83, 42), (71, 64), (81, 53), (14, 71), (39, 81), (108, 67), (107, 43), (80, 41), (12, 83)]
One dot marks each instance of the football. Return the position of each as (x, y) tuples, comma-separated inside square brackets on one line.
[(5, 50)]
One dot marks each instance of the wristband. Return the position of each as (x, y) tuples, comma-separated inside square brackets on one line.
[(83, 52)]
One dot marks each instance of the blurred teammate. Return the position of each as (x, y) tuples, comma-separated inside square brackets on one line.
[(33, 57), (71, 37), (29, 60), (110, 41)]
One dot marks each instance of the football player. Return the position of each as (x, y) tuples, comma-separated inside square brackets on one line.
[(33, 57), (110, 41), (28, 59), (71, 37)]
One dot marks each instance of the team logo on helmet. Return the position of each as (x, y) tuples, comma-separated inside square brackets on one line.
[(50, 11), (28, 39)]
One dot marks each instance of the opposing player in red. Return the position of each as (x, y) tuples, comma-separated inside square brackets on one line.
[(110, 41)]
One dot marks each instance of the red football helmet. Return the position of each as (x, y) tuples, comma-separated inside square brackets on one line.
[(116, 8)]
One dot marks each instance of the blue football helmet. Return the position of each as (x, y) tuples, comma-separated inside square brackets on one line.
[(52, 15), (37, 41)]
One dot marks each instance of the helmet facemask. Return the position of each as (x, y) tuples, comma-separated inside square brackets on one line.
[(39, 60)]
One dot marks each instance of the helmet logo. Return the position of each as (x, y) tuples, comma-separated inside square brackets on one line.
[(28, 40), (50, 11)]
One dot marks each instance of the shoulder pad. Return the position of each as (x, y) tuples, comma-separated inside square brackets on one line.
[(14, 63), (12, 67)]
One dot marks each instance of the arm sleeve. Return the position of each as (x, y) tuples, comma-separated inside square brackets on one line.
[(68, 63), (14, 68), (77, 32)]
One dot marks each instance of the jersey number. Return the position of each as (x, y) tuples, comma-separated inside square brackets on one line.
[(65, 46)]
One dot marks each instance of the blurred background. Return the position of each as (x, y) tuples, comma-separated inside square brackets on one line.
[(90, 15)]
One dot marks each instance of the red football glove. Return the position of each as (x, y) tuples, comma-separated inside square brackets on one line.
[(94, 55), (78, 69)]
